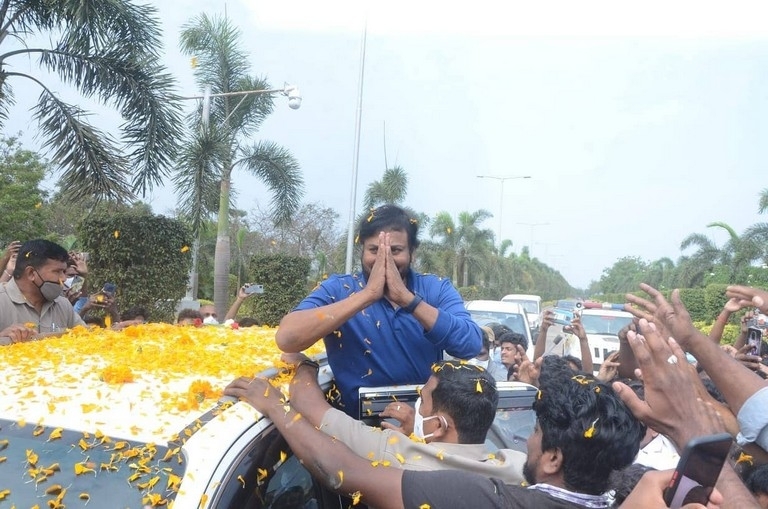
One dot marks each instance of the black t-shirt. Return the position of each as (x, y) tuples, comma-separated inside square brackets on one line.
[(450, 489)]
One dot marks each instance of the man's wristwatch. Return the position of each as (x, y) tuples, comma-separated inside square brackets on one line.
[(308, 362), (411, 307)]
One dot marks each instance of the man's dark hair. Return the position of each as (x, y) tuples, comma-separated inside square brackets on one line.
[(468, 394), (575, 361), (36, 253), (248, 322), (188, 313), (593, 429), (134, 312), (515, 338), (389, 217), (498, 329), (622, 482), (756, 480), (90, 319)]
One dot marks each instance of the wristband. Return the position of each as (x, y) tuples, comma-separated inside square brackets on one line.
[(308, 362), (410, 308)]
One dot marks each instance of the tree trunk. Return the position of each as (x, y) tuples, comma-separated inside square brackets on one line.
[(221, 258)]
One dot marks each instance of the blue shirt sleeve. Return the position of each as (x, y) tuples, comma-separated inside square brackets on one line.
[(753, 420), (454, 331)]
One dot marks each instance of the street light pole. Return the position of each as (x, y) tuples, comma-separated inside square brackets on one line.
[(356, 156), (501, 195)]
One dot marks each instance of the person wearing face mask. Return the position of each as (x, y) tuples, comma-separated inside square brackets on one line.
[(450, 422), (484, 360), (31, 303)]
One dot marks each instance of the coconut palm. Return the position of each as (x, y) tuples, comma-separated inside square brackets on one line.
[(215, 150), (392, 188), (108, 51), (762, 206), (466, 245)]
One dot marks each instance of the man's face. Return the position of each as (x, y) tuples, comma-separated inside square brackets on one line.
[(401, 253), (531, 467), (208, 310), (509, 355), (52, 271)]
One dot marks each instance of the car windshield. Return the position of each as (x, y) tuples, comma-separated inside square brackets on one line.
[(43, 466), (604, 324), (515, 321), (530, 306)]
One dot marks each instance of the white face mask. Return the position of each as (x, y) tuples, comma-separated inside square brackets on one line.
[(476, 362), (419, 420)]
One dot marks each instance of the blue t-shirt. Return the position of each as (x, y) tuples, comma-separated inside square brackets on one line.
[(381, 345)]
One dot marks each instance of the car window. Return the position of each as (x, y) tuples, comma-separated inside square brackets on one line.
[(49, 466), (515, 321), (268, 475), (530, 306), (601, 324)]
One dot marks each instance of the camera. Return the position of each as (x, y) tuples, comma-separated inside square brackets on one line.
[(251, 288), (756, 327)]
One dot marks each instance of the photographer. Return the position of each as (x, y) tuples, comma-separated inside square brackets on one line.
[(245, 291), (103, 300)]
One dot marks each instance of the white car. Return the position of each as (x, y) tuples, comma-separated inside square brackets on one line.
[(107, 420), (531, 304), (506, 313), (602, 327)]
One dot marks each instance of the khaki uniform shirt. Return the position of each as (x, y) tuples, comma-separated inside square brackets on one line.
[(400, 451), (55, 316)]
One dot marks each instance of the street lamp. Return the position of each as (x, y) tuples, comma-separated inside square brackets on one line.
[(289, 91), (501, 195), (294, 102), (532, 225)]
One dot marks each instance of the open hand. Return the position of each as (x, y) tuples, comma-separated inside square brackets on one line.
[(748, 296), (671, 319)]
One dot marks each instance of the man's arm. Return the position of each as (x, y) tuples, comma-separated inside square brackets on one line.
[(301, 329), (453, 330), (586, 354), (718, 327), (547, 320), (328, 460), (307, 397)]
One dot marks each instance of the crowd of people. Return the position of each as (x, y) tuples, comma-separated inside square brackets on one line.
[(608, 440)]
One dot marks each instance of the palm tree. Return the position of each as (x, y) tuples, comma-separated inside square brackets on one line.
[(392, 188), (763, 204), (466, 244), (214, 151), (107, 50), (736, 255)]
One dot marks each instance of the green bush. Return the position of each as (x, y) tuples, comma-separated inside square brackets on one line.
[(714, 299), (730, 334), (470, 293), (147, 256), (285, 284)]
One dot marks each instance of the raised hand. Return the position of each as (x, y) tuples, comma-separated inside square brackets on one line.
[(395, 291), (671, 319), (377, 279), (748, 296)]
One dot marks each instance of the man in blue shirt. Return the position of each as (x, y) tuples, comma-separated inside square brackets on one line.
[(387, 325)]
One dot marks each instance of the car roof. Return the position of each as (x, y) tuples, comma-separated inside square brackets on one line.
[(605, 312), (494, 305), (146, 383), (521, 296)]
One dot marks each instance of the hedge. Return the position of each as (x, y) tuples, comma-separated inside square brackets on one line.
[(285, 284)]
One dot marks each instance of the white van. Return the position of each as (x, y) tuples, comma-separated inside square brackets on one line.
[(531, 304)]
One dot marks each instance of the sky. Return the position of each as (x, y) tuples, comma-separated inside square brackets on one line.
[(638, 123)]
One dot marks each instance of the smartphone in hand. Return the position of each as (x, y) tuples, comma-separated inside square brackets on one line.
[(252, 288), (697, 471)]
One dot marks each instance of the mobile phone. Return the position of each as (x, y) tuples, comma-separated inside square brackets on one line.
[(754, 339), (698, 470), (251, 289), (74, 284)]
